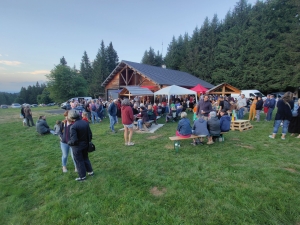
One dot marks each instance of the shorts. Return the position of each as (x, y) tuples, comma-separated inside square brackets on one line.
[(128, 126)]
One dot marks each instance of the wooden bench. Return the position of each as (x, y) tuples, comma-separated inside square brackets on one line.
[(177, 139)]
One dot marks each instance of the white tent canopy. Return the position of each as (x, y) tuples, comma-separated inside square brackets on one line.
[(175, 90)]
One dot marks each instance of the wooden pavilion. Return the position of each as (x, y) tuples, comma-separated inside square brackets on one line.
[(223, 89)]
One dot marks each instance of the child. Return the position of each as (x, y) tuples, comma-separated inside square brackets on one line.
[(57, 127), (85, 116)]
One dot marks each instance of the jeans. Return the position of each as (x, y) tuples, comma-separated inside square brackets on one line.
[(112, 121), (241, 113), (140, 124), (258, 115), (269, 115), (29, 119), (82, 161), (95, 116), (284, 127), (65, 148)]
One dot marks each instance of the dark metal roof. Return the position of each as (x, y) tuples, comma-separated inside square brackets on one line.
[(137, 91), (161, 76)]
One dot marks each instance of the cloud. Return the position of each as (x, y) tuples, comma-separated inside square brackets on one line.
[(36, 72), (10, 63), (2, 68), (0, 55)]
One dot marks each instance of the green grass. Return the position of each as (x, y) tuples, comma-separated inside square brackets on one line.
[(248, 179)]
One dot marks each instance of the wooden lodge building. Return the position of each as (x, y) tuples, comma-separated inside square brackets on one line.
[(135, 79)]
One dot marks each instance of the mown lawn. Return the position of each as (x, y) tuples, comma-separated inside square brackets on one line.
[(248, 179)]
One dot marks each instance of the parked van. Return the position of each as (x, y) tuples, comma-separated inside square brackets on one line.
[(76, 99), (250, 94)]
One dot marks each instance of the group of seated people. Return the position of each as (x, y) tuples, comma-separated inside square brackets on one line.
[(210, 128), (143, 115)]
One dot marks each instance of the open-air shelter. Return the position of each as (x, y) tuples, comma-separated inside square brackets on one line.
[(175, 90), (224, 89)]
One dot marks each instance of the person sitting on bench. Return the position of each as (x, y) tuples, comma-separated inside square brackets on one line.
[(213, 125), (184, 128), (151, 114), (144, 118), (200, 129), (225, 121)]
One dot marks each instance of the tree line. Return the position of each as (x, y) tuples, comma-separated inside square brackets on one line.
[(253, 47)]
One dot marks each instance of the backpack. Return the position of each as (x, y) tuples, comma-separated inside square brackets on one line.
[(226, 105), (94, 107)]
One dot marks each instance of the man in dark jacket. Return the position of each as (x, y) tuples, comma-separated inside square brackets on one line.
[(112, 113), (272, 105), (225, 121), (42, 126), (80, 136), (204, 107)]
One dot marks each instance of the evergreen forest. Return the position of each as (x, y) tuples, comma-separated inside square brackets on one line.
[(253, 47)]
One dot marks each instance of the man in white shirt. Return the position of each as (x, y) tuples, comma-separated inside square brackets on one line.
[(241, 104)]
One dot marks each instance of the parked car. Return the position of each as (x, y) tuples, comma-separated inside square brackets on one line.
[(15, 105), (278, 95), (4, 107), (67, 106), (34, 105), (51, 104)]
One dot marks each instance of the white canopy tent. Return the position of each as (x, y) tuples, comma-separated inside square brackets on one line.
[(175, 90)]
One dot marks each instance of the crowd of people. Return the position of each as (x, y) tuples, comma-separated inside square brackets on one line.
[(212, 116)]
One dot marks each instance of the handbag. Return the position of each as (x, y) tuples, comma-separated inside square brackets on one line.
[(91, 147)]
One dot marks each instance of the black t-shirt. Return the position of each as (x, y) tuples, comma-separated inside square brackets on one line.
[(221, 104)]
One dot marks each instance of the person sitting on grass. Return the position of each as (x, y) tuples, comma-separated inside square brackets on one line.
[(213, 125), (225, 121), (57, 127), (42, 126), (184, 128), (200, 129)]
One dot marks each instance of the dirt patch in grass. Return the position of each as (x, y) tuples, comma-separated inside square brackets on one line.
[(154, 137), (156, 192), (246, 146), (169, 146), (291, 170), (234, 139)]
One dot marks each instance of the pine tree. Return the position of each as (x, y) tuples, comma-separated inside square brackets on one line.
[(112, 58), (63, 61)]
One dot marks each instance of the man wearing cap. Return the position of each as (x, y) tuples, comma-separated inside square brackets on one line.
[(112, 113)]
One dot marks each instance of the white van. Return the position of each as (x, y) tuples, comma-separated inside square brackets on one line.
[(250, 94)]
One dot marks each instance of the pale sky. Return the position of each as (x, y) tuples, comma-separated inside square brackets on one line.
[(35, 34)]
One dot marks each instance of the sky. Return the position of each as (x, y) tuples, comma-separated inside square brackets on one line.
[(35, 34)]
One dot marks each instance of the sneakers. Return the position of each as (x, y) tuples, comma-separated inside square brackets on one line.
[(80, 178), (130, 143), (64, 169), (210, 142), (193, 144), (91, 173), (282, 138), (271, 136)]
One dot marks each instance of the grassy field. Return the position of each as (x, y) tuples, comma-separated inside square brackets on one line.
[(248, 179)]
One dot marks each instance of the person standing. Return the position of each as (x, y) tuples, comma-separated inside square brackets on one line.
[(241, 104), (204, 107), (127, 120), (23, 115), (266, 105), (64, 135), (259, 106), (284, 114), (94, 114), (80, 136), (272, 104), (252, 111), (112, 113), (28, 116)]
